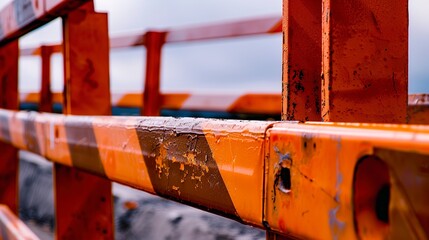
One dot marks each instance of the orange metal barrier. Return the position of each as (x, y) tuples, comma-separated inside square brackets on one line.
[(303, 180), (258, 103), (211, 164), (12, 228)]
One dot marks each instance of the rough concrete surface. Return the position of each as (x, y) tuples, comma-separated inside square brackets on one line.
[(138, 215)]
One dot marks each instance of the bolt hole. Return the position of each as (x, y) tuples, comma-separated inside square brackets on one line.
[(285, 181), (382, 204), (371, 198)]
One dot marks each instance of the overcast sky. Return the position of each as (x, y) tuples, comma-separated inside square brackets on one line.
[(240, 65)]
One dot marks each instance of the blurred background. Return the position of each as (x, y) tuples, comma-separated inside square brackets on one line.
[(236, 65)]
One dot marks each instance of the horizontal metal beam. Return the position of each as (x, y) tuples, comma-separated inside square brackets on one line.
[(260, 26), (233, 103), (184, 159), (22, 16), (348, 180), (12, 228), (288, 177), (257, 103), (226, 30)]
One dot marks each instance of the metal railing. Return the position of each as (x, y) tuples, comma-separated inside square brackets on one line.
[(293, 179)]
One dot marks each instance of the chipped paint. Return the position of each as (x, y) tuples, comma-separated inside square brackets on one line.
[(335, 223), (215, 172)]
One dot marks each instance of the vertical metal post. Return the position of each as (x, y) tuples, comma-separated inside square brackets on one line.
[(84, 201), (302, 54), (151, 96), (45, 104), (365, 61), (9, 162)]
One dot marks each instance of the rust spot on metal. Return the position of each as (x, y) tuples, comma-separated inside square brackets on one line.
[(89, 75)]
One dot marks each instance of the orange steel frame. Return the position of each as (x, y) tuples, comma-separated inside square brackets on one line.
[(308, 179)]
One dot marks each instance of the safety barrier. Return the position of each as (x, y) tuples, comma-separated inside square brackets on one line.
[(267, 104), (261, 26), (303, 180), (211, 164), (262, 103)]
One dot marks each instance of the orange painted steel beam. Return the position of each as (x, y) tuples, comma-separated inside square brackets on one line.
[(20, 17), (302, 56), (205, 163), (304, 176), (152, 96), (11, 228), (9, 162), (83, 202), (365, 61), (348, 181), (258, 103)]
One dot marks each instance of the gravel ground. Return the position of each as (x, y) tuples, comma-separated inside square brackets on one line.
[(138, 215)]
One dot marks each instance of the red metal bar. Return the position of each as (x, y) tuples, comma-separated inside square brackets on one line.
[(84, 201), (152, 97), (45, 93), (365, 61), (302, 52), (129, 40), (225, 30), (9, 162)]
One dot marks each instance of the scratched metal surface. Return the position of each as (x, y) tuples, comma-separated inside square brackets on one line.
[(211, 164), (133, 208)]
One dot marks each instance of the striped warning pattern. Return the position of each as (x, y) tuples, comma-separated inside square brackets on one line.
[(288, 177), (206, 163), (11, 228), (261, 103)]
